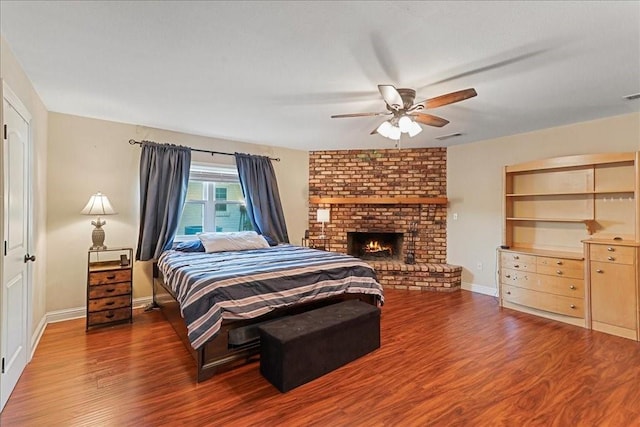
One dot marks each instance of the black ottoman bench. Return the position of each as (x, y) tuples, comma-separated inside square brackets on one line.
[(297, 349)]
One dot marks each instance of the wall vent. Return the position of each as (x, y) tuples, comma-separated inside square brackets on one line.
[(632, 97), (451, 135)]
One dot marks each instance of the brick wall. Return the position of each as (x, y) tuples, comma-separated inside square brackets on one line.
[(417, 172)]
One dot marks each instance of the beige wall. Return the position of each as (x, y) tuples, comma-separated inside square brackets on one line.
[(89, 155), (474, 184), (12, 74)]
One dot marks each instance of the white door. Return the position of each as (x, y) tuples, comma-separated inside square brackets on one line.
[(14, 334)]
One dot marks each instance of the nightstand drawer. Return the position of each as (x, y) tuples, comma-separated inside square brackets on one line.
[(109, 316), (109, 303), (101, 291), (112, 276)]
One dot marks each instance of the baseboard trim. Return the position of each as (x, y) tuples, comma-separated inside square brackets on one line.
[(35, 338), (79, 312), (480, 289)]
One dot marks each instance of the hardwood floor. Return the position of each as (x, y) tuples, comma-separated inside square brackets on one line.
[(446, 359)]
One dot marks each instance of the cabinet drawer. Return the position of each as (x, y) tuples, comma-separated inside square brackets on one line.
[(560, 271), (561, 286), (567, 306), (109, 303), (109, 316), (523, 279), (574, 264), (101, 291), (112, 276), (516, 261), (612, 253)]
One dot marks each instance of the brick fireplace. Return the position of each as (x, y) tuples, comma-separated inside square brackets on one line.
[(394, 192)]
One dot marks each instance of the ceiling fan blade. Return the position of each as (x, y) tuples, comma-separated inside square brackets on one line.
[(428, 119), (391, 96), (340, 116), (447, 99)]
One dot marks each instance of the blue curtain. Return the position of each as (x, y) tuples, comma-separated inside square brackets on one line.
[(260, 189), (164, 177)]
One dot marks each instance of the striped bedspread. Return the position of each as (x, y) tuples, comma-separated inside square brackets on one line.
[(211, 287)]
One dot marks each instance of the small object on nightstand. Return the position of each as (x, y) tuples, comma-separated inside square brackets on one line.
[(98, 205), (109, 286)]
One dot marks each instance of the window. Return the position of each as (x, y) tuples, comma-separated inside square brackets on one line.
[(214, 202)]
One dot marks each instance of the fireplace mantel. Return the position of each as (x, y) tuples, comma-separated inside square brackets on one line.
[(380, 200)]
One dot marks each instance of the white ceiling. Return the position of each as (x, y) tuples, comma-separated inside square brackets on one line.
[(273, 73)]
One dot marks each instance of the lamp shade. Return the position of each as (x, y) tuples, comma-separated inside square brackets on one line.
[(98, 204), (323, 215)]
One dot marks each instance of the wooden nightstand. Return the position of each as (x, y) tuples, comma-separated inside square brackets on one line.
[(109, 286)]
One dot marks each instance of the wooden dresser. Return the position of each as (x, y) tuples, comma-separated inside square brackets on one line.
[(109, 286), (546, 283), (571, 241)]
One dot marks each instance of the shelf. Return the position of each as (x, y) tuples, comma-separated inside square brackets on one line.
[(380, 200), (568, 193), (589, 223), (547, 253)]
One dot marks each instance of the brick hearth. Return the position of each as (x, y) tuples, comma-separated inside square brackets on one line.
[(410, 173)]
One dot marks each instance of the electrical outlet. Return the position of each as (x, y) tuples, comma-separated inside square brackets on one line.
[(479, 266), (455, 216)]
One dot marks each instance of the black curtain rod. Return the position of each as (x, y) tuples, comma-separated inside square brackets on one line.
[(134, 142)]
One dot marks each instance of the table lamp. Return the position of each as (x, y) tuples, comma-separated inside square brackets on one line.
[(98, 205), (323, 215)]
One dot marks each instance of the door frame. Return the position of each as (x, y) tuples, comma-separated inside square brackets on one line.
[(16, 103)]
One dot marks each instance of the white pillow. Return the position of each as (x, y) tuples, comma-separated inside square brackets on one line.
[(235, 241)]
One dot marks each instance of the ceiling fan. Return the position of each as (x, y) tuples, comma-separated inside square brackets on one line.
[(405, 114)]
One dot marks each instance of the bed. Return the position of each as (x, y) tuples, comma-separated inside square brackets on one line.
[(215, 301)]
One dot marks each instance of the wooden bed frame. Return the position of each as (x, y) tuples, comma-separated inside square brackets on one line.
[(217, 354)]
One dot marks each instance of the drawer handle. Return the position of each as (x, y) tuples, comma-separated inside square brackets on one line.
[(559, 262), (516, 266), (599, 271), (572, 287), (572, 306), (508, 292), (516, 257), (610, 249), (109, 316), (508, 276), (113, 276), (110, 303), (559, 272), (110, 290), (610, 258)]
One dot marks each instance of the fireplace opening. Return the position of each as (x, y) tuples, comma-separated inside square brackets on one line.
[(375, 246)]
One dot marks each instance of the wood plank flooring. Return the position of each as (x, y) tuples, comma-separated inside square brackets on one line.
[(446, 360)]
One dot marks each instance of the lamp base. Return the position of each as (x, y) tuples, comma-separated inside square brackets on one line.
[(97, 236)]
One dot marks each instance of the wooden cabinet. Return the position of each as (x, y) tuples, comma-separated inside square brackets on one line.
[(613, 277), (571, 226), (554, 204), (549, 284), (109, 286)]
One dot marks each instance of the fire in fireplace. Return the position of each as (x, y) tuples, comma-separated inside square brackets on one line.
[(375, 246)]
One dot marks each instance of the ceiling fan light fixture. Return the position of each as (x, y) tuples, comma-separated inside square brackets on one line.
[(384, 129), (405, 124), (388, 130), (414, 129)]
